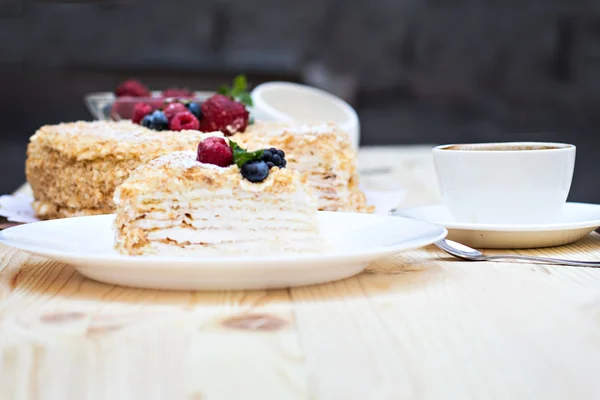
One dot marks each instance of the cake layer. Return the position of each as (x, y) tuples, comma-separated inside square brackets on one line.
[(321, 151), (226, 221), (74, 168), (49, 210), (176, 205), (232, 219)]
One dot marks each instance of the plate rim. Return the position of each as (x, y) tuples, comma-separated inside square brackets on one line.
[(467, 226), (145, 262)]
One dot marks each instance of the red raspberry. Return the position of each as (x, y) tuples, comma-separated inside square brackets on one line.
[(122, 109), (140, 110), (172, 109), (178, 93), (215, 150), (220, 113), (132, 88), (156, 103), (184, 120)]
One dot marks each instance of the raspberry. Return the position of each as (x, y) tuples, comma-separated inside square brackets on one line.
[(178, 93), (132, 88), (184, 120), (215, 150), (156, 103), (120, 110), (220, 113), (172, 109), (140, 110), (122, 107)]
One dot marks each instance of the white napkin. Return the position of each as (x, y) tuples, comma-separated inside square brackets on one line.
[(17, 208), (384, 200)]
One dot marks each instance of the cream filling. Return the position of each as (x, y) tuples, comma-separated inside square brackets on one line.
[(330, 193), (204, 209), (318, 173), (223, 221), (215, 236), (217, 217), (291, 221), (223, 195)]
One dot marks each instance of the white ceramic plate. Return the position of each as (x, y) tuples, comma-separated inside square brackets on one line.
[(576, 221), (358, 239)]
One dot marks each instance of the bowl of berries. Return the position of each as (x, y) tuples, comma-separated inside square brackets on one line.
[(119, 104), (227, 110)]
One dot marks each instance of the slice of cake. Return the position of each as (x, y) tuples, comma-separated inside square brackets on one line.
[(219, 201), (74, 168), (323, 152)]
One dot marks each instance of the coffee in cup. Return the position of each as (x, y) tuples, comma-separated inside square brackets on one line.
[(505, 183)]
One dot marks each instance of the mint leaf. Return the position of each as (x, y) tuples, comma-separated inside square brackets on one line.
[(224, 90), (245, 98), (242, 156), (235, 148), (239, 85), (239, 91)]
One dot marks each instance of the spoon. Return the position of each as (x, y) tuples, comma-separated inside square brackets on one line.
[(467, 253)]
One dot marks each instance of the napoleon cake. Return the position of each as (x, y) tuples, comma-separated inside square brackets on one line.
[(74, 168), (219, 201), (320, 150)]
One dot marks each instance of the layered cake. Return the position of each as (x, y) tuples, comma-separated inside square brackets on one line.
[(220, 200), (74, 168), (323, 152)]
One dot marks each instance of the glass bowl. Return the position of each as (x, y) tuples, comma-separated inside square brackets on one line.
[(105, 106)]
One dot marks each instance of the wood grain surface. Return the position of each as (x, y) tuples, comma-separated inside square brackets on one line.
[(418, 325)]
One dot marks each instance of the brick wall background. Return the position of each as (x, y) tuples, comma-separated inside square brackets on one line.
[(418, 71)]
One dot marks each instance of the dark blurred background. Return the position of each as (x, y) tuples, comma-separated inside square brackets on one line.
[(417, 71)]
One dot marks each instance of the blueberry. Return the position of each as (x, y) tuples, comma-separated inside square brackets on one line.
[(277, 159), (281, 153), (255, 171), (195, 109), (270, 164), (159, 121), (273, 150), (283, 163), (147, 121)]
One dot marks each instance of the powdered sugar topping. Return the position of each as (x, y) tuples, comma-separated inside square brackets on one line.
[(179, 159)]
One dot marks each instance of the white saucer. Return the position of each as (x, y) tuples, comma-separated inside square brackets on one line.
[(576, 221), (358, 239)]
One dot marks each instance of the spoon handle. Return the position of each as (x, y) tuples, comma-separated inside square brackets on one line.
[(545, 260)]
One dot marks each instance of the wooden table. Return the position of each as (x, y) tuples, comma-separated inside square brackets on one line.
[(415, 326)]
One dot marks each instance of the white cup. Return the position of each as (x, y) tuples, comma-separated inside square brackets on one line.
[(292, 102), (505, 183)]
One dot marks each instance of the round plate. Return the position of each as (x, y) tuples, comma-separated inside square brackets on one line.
[(576, 221), (357, 240)]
